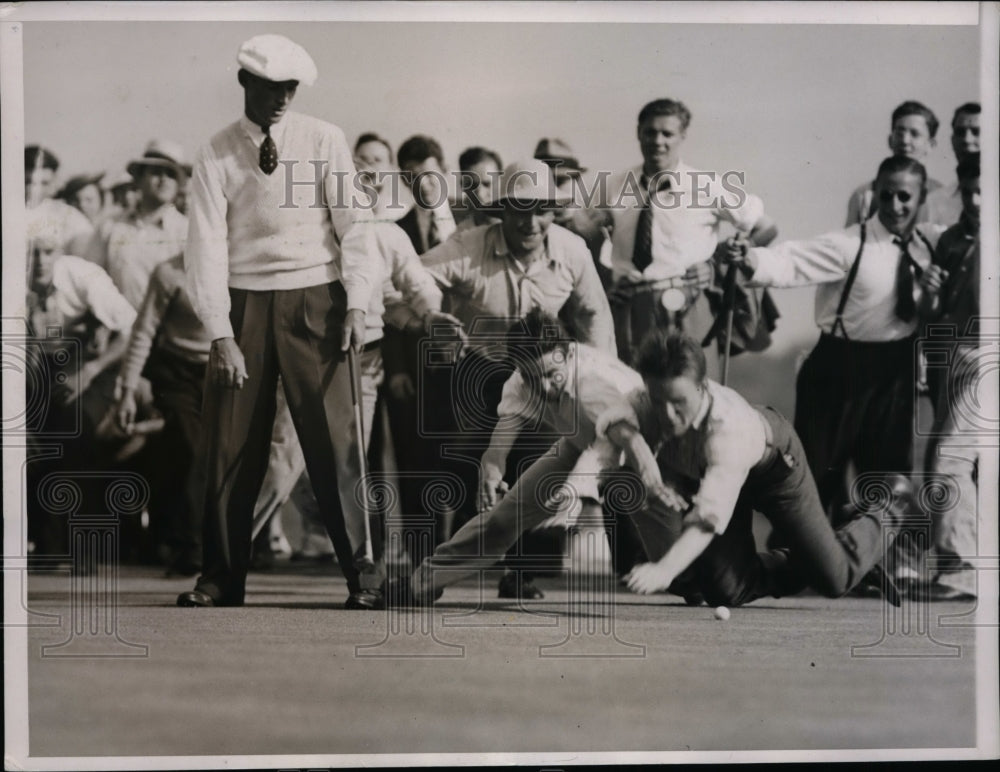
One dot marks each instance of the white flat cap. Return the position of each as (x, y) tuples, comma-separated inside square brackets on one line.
[(275, 57)]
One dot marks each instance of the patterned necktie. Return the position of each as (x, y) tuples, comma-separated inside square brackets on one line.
[(433, 235), (642, 252), (906, 307), (268, 152)]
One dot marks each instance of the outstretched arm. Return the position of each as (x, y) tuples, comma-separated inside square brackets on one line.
[(494, 461), (647, 578)]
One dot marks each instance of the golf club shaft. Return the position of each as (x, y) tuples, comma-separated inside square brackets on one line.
[(352, 359)]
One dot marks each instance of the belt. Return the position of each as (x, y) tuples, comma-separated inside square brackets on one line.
[(699, 275), (371, 345)]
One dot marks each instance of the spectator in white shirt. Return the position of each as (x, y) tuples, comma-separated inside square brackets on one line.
[(566, 387), (724, 459), (47, 215), (667, 217), (855, 392), (913, 135)]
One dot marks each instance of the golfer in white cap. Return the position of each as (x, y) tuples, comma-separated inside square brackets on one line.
[(281, 266)]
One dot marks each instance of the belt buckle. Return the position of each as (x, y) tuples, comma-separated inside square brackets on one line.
[(673, 299)]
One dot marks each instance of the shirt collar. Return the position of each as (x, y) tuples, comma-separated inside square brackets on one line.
[(706, 405), (441, 214), (878, 232), (501, 250), (675, 176), (157, 217), (255, 132)]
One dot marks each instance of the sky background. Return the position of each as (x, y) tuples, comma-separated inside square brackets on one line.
[(803, 110)]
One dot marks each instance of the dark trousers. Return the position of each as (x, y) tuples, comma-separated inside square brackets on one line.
[(417, 424), (297, 334), (177, 478), (732, 572), (854, 405)]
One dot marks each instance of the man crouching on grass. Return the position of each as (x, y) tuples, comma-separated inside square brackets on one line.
[(557, 383), (729, 459)]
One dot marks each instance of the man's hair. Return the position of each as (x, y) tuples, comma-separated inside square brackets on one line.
[(36, 156), (911, 107), (969, 108), (968, 169), (418, 149), (670, 355), (371, 136), (660, 107), (476, 155), (533, 336), (899, 163)]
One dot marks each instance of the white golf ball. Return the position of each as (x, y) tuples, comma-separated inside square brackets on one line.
[(722, 613)]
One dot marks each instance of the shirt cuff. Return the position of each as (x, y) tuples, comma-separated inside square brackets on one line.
[(218, 326), (358, 298), (763, 276), (708, 523)]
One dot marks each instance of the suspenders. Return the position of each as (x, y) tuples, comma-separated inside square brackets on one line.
[(838, 323)]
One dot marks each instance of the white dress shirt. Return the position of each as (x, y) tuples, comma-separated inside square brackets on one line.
[(870, 313), (686, 219), (79, 287), (443, 219), (56, 219), (726, 440), (488, 288), (129, 248)]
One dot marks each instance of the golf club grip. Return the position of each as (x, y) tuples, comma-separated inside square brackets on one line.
[(352, 363)]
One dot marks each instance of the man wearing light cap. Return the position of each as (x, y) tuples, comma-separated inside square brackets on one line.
[(494, 275), (281, 266)]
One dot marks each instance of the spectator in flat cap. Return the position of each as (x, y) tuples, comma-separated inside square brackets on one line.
[(85, 194), (130, 246), (590, 223), (45, 214), (280, 268)]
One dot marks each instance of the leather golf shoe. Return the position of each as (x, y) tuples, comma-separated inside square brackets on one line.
[(365, 600), (195, 598)]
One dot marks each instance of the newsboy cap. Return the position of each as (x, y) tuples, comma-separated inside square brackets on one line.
[(276, 58)]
